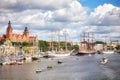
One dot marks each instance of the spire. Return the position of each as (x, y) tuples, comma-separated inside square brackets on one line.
[(9, 31), (26, 32), (9, 24), (26, 29)]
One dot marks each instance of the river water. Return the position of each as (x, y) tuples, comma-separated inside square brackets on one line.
[(72, 68)]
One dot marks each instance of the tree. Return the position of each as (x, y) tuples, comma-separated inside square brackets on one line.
[(44, 45), (117, 47), (76, 47), (100, 42)]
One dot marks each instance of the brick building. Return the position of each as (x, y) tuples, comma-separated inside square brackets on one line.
[(24, 37)]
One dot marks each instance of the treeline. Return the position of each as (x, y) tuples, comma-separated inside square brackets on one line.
[(45, 45)]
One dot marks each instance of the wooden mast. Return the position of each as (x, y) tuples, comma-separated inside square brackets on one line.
[(84, 39), (105, 43), (88, 42), (65, 41), (92, 40), (51, 42), (58, 41)]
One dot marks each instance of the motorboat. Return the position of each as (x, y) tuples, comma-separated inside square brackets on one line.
[(59, 62), (39, 70), (104, 60)]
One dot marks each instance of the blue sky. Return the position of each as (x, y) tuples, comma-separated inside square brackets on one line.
[(94, 3), (102, 17)]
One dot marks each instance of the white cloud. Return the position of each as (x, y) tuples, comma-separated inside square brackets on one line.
[(105, 15), (42, 17), (74, 13), (34, 4)]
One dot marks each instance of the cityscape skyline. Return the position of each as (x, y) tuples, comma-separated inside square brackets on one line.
[(102, 17)]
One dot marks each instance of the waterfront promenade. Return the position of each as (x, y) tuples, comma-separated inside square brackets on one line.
[(72, 68)]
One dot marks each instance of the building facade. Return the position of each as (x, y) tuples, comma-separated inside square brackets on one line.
[(24, 37)]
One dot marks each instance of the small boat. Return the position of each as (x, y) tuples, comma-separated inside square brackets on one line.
[(5, 63), (46, 56), (59, 62), (104, 60), (13, 63), (49, 67), (39, 70), (35, 58)]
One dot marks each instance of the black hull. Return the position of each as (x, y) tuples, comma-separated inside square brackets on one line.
[(85, 53), (35, 58), (47, 56)]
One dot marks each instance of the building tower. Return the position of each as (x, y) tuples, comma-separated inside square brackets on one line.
[(9, 31), (26, 32)]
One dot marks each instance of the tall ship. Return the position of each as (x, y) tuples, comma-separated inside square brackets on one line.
[(58, 51), (86, 46)]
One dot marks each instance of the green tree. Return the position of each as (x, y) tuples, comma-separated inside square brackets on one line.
[(76, 47), (44, 45), (100, 42), (117, 47)]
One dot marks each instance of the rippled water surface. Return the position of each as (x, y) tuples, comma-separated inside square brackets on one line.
[(72, 68)]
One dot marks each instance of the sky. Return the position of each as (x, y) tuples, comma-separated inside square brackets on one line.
[(73, 17)]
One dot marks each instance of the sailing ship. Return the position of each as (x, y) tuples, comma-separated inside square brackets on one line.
[(86, 47), (57, 52)]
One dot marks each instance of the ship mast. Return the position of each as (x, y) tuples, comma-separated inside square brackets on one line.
[(51, 42), (88, 42), (105, 43), (92, 40), (58, 41), (65, 41), (84, 39)]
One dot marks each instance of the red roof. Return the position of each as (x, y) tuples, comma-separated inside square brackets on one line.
[(17, 35), (32, 38)]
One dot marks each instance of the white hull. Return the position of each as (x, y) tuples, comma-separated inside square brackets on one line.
[(108, 52), (5, 63), (28, 58), (59, 54)]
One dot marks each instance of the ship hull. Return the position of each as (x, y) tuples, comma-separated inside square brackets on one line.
[(82, 53)]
